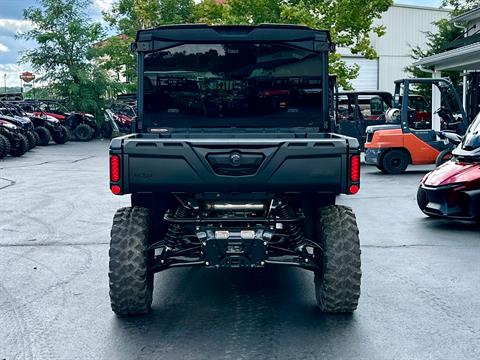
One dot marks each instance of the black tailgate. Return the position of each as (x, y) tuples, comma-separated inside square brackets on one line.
[(234, 165)]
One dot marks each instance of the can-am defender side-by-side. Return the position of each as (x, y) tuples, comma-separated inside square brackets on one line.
[(453, 189), (227, 171), (404, 139)]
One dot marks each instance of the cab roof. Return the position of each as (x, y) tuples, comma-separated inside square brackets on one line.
[(172, 35)]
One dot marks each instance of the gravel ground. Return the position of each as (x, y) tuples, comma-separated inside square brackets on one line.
[(420, 291)]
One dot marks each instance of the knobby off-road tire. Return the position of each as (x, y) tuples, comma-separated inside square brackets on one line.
[(61, 137), (131, 282), (37, 137), (32, 140), (83, 132), (44, 135), (4, 146), (20, 147), (337, 286)]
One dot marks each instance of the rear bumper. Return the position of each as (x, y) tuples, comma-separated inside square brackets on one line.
[(452, 201)]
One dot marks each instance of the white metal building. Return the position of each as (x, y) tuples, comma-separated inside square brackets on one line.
[(405, 27)]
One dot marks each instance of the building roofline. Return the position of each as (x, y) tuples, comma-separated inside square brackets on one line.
[(418, 7), (469, 15), (438, 58)]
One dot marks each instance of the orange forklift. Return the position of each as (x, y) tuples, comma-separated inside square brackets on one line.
[(403, 140)]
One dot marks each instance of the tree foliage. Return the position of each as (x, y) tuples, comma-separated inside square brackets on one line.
[(64, 37), (460, 6), (350, 21), (436, 41)]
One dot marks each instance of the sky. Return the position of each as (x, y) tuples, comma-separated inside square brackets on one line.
[(11, 23)]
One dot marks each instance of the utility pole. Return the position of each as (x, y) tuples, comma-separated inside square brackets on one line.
[(5, 83)]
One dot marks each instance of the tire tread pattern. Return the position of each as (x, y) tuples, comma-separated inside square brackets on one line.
[(4, 146), (131, 284), (44, 135), (20, 147), (337, 288)]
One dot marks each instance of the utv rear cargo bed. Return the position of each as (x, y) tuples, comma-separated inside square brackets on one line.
[(152, 164)]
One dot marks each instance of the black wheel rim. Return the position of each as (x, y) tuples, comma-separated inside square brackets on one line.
[(397, 163)]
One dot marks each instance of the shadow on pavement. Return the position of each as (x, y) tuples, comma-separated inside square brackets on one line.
[(237, 314)]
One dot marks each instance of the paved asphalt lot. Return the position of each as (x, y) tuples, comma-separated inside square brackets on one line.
[(420, 291)]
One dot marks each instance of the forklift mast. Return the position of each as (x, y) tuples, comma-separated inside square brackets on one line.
[(443, 84)]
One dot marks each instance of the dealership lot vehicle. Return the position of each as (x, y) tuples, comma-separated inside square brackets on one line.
[(46, 128), (118, 118), (453, 189), (81, 125), (17, 142), (405, 139), (23, 123), (219, 133), (54, 284)]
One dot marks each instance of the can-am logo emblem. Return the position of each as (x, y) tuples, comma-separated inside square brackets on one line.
[(235, 158)]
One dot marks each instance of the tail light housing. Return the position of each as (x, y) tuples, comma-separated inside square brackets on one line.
[(115, 171), (354, 183)]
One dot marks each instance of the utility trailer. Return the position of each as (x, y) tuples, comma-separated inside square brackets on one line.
[(234, 163)]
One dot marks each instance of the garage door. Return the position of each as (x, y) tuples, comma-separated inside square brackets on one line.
[(368, 75)]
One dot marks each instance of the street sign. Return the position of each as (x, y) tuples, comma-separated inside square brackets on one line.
[(27, 76)]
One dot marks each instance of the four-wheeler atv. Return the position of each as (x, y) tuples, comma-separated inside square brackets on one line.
[(453, 189), (81, 125), (237, 183), (398, 143), (356, 110), (17, 142), (47, 128)]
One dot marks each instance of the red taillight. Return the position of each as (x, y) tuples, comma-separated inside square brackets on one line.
[(355, 168), (353, 189), (114, 168), (115, 189)]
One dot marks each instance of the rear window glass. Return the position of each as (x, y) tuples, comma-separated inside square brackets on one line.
[(232, 84)]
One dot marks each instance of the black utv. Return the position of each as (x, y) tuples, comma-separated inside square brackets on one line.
[(12, 140), (46, 128), (234, 163), (24, 124)]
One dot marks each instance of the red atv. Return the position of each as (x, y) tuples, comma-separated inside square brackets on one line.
[(453, 189)]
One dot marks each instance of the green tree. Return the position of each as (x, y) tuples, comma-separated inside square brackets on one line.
[(64, 37), (436, 42), (350, 21), (129, 16), (460, 6)]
